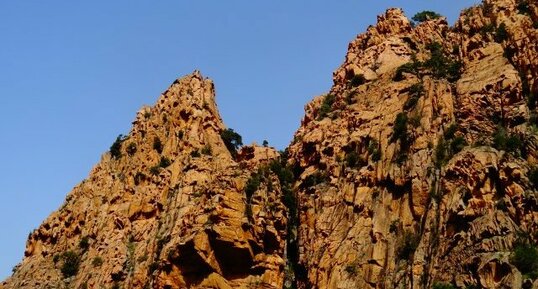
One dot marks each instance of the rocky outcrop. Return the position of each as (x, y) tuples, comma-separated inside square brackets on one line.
[(399, 184), (418, 169), (166, 211)]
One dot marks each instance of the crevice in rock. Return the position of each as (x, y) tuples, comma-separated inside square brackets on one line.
[(193, 267), (234, 262)]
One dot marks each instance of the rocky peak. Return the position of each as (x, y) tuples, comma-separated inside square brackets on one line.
[(168, 207), (418, 169), (186, 110), (379, 196), (387, 45), (190, 96), (393, 22)]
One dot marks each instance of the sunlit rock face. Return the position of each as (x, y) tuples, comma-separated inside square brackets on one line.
[(405, 181), (418, 169), (167, 211)]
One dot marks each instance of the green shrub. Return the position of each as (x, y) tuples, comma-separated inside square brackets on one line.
[(410, 67), (356, 80), (155, 170), (487, 8), (206, 150), (449, 145), (531, 103), (440, 153), (407, 245), (510, 143), (441, 66), (252, 185), (232, 140), (457, 144), (195, 154), (97, 261), (352, 159), (393, 228), (438, 65), (533, 177), (71, 262), (523, 7), (455, 49), (164, 162), (501, 34), (376, 155), (352, 269), (157, 145), (487, 29), (131, 149), (434, 193), (142, 259), (525, 258), (515, 145), (435, 47), (284, 174), (401, 156), (374, 150), (400, 133), (425, 16), (411, 102), (350, 97), (265, 143), (315, 179), (416, 89), (138, 178), (453, 70), (115, 148), (501, 205), (84, 243), (248, 211), (153, 266), (450, 131), (326, 106), (286, 178), (400, 128), (439, 285)]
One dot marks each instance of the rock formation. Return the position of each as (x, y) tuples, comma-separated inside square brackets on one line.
[(400, 185), (418, 169), (167, 211)]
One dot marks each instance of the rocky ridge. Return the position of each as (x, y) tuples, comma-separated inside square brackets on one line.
[(417, 170), (168, 211), (401, 186)]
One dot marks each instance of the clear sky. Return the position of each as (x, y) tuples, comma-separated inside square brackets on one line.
[(74, 73)]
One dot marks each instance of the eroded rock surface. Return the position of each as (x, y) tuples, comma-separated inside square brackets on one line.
[(419, 167), (170, 212), (388, 203)]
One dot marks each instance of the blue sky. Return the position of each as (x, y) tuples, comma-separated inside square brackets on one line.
[(73, 74)]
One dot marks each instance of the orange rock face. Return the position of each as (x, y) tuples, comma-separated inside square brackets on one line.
[(416, 169), (169, 212), (400, 185)]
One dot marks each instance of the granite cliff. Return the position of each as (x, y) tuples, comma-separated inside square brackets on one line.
[(418, 169), (165, 208)]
